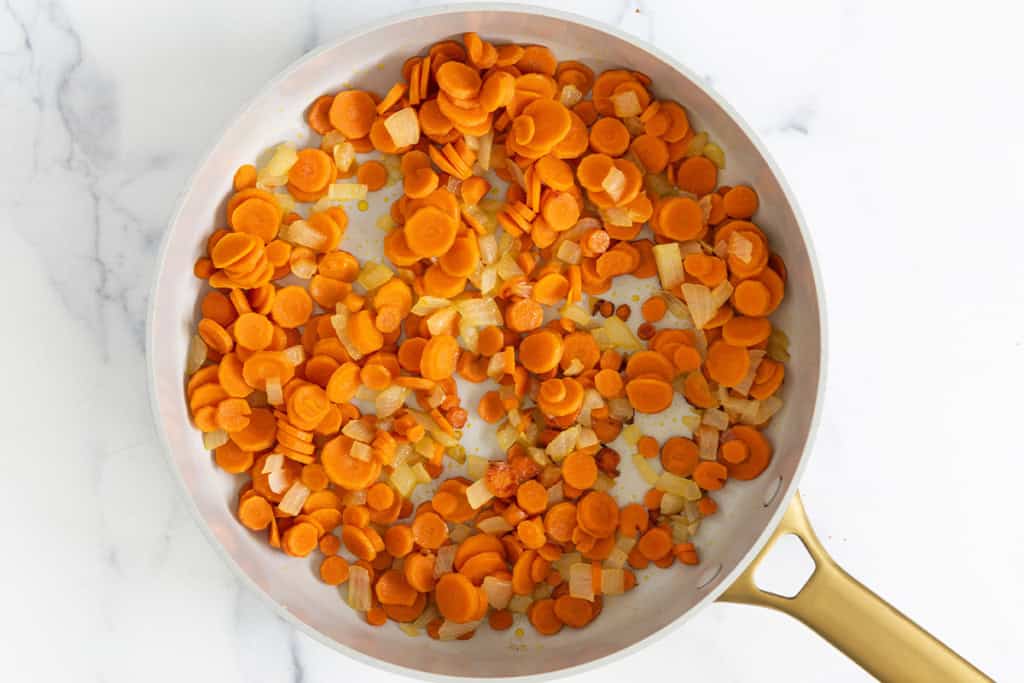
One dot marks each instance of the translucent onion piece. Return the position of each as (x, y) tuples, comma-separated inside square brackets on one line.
[(644, 469), (299, 232), (620, 409), (631, 434), (476, 467), (563, 444), (570, 96), (575, 367), (707, 440), (477, 494), (480, 312), (214, 439), (344, 192), (699, 301), (359, 430), (404, 127), (716, 418), (676, 485), (303, 268), (616, 559), (619, 334), (445, 559), (556, 494), (294, 499), (765, 411), (508, 268), (617, 216), (421, 474), (361, 451), (339, 321), (282, 160), (626, 103), (563, 563), (696, 146), (279, 480), (488, 245), (441, 320), (275, 395), (614, 184), (613, 581), (483, 153), (587, 438), (577, 314), (581, 581), (373, 275), (671, 504), (495, 526), (359, 597), (670, 264), (344, 154), (715, 154), (403, 479), (426, 305), (295, 354), (196, 355), (499, 592), (274, 462), (756, 356), (520, 603)]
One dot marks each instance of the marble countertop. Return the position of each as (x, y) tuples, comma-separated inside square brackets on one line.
[(899, 132)]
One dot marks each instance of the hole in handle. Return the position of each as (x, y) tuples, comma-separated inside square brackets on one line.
[(786, 568)]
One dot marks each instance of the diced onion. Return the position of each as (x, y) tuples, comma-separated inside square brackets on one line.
[(696, 146), (476, 467), (344, 192), (344, 154), (626, 103), (699, 301), (715, 418), (445, 559), (617, 216), (359, 597), (619, 334), (295, 354), (279, 480), (671, 504), (581, 581), (614, 184), (570, 96), (404, 127), (494, 526), (441, 320), (645, 470), (707, 440), (389, 401), (488, 245), (301, 233), (339, 321), (196, 355), (676, 485), (577, 314), (520, 603), (563, 444), (275, 396), (613, 581), (765, 411), (403, 479), (361, 451), (563, 563), (616, 559), (587, 437), (294, 499), (620, 409), (460, 532), (670, 264), (631, 434), (715, 154), (556, 494), (536, 454), (284, 157), (214, 439), (373, 275), (477, 494), (756, 356), (421, 474), (482, 312), (483, 153), (274, 462), (499, 591), (358, 430), (428, 304)]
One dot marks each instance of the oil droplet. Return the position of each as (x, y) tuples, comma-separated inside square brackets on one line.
[(363, 205), (520, 633)]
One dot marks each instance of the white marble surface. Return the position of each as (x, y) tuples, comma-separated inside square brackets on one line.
[(899, 131)]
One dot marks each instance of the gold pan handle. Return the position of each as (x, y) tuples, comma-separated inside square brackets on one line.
[(844, 612)]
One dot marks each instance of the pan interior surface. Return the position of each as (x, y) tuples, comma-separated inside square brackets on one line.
[(373, 60)]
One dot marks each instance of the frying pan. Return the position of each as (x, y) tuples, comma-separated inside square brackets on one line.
[(732, 543)]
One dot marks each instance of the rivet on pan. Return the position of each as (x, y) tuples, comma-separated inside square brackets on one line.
[(708, 576), (773, 490)]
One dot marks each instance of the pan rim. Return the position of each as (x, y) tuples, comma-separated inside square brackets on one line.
[(784, 497)]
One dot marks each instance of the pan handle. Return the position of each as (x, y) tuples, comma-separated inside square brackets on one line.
[(844, 612)]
